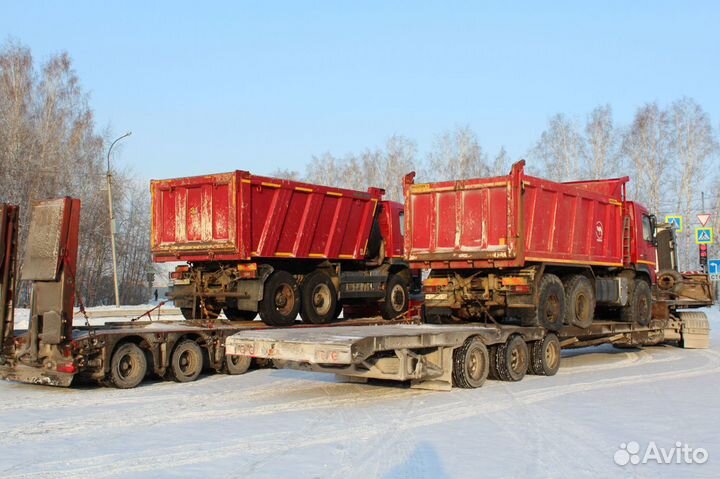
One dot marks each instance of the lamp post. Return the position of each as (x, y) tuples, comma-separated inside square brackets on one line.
[(112, 217)]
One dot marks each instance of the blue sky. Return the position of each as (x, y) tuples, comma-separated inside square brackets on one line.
[(215, 86)]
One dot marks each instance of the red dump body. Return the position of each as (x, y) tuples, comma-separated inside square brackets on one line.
[(510, 220), (238, 216)]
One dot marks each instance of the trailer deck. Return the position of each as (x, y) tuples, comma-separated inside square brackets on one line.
[(424, 353)]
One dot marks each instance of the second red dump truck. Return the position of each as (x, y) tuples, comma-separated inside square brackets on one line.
[(525, 249), (276, 247)]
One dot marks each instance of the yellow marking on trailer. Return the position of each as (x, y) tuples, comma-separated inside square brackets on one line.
[(245, 180), (317, 255), (615, 202), (306, 190), (333, 193), (271, 185), (346, 256), (283, 253)]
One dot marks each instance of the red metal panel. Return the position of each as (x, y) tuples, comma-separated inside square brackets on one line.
[(478, 223), (235, 216), (194, 214)]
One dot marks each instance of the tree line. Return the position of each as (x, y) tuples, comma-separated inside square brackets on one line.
[(670, 154), (50, 147)]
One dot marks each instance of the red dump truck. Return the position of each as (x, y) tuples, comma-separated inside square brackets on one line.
[(278, 247), (522, 267), (521, 248)]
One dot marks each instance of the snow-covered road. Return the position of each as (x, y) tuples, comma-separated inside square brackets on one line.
[(282, 423)]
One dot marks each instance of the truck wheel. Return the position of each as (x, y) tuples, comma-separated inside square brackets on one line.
[(237, 364), (512, 359), (639, 307), (186, 362), (545, 356), (550, 311), (319, 298), (234, 314), (471, 364), (281, 300), (396, 297), (128, 366), (579, 301)]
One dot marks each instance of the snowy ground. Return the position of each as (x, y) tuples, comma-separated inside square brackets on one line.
[(282, 423)]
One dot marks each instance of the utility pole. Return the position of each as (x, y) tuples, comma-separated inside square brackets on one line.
[(112, 218)]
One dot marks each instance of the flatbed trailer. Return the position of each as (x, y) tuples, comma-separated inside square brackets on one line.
[(101, 353), (438, 357)]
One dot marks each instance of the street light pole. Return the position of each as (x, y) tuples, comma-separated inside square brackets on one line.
[(112, 218)]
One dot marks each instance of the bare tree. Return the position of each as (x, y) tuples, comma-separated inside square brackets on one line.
[(560, 150), (601, 147), (501, 165), (646, 144), (457, 154), (49, 148), (286, 174)]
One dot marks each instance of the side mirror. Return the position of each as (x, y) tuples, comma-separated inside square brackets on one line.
[(653, 229)]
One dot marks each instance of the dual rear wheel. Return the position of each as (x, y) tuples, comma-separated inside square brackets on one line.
[(474, 362)]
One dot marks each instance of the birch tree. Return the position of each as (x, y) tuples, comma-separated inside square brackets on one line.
[(646, 146), (457, 154), (601, 142), (560, 150)]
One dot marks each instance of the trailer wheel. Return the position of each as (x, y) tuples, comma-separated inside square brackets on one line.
[(281, 300), (237, 364), (550, 311), (639, 307), (234, 314), (397, 297), (186, 362), (512, 359), (319, 298), (471, 364), (545, 356), (579, 301), (128, 366)]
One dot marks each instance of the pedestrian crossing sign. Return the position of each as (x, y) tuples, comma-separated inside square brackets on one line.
[(675, 222), (703, 235)]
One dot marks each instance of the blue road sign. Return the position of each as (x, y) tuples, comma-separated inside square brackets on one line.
[(676, 222), (714, 266), (703, 235)]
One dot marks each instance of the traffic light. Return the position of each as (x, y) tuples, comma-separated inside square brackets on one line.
[(703, 256)]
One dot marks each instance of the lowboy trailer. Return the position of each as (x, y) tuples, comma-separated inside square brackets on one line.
[(440, 356)]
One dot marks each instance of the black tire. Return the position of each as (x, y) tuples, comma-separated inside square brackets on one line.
[(545, 356), (281, 300), (512, 359), (128, 366), (471, 364), (235, 365), (186, 362), (319, 298), (234, 314), (639, 307), (397, 297), (550, 311), (579, 301)]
